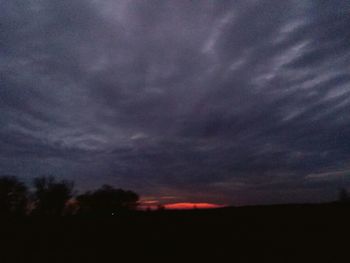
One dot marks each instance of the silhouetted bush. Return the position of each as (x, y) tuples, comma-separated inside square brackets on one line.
[(160, 207), (51, 196), (107, 201), (13, 196)]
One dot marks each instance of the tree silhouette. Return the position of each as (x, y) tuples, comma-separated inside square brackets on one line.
[(343, 196), (13, 196), (107, 201), (51, 196)]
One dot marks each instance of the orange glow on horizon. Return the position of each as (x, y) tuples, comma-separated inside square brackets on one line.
[(189, 205)]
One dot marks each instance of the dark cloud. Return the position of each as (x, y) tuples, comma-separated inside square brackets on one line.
[(234, 102)]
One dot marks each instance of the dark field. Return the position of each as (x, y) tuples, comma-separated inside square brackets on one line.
[(289, 233)]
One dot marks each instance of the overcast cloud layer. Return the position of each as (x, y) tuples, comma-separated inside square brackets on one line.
[(235, 102)]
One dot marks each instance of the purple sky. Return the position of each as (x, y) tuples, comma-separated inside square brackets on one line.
[(235, 102)]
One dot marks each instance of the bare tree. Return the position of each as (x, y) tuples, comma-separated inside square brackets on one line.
[(13, 196), (51, 196)]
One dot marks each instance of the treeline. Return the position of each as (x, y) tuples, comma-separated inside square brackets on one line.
[(51, 197)]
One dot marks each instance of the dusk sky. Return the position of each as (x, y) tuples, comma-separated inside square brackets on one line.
[(226, 102)]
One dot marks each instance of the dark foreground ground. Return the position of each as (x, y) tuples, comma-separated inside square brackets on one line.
[(291, 233)]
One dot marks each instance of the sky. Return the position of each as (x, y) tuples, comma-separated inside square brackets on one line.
[(224, 102)]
